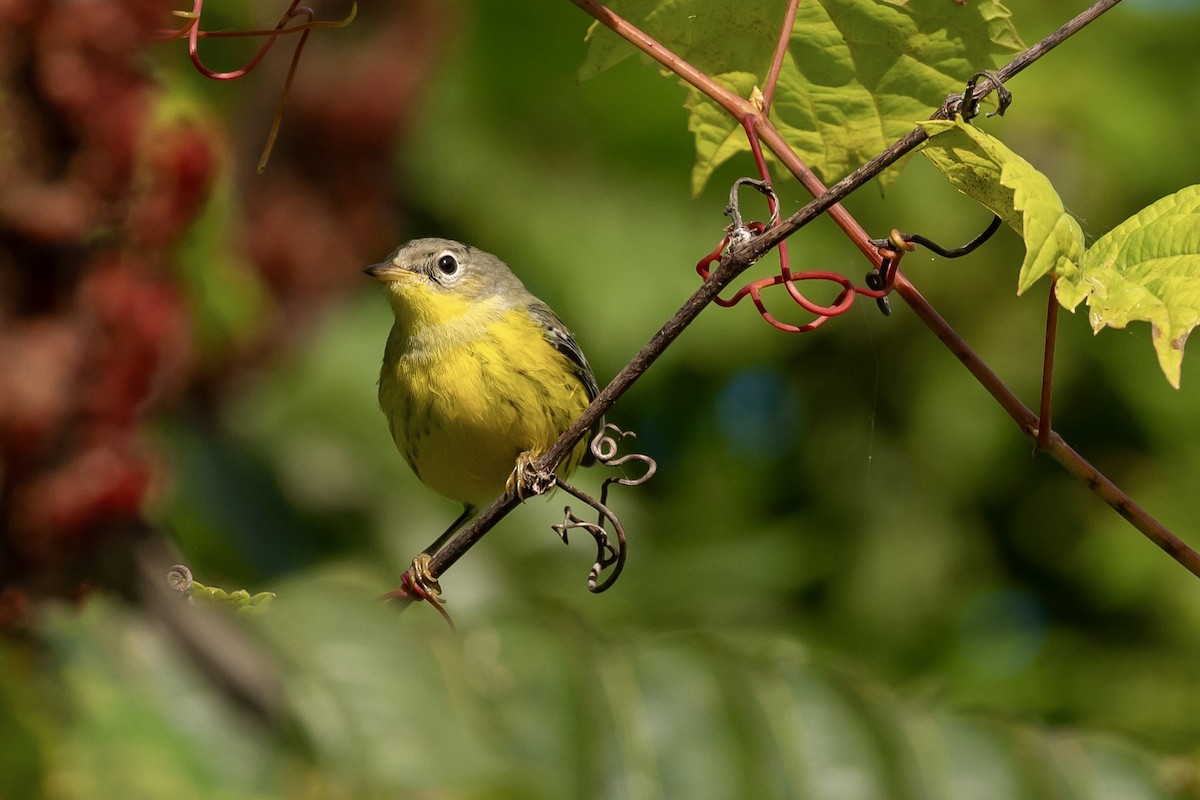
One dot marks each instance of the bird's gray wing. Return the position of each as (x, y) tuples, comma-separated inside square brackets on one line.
[(560, 339)]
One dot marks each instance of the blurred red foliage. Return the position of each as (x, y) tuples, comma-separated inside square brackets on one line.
[(95, 194)]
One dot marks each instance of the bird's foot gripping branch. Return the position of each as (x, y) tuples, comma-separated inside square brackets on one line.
[(420, 580)]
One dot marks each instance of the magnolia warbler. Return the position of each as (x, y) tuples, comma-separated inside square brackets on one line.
[(479, 376)]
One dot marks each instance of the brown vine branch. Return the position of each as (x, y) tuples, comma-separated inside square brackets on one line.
[(1039, 430), (826, 201), (1055, 446), (785, 36), (740, 256), (1044, 422), (736, 106)]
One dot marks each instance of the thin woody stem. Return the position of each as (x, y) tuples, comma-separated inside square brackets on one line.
[(1123, 504), (739, 257), (736, 106), (1054, 445), (191, 30), (785, 36), (773, 139), (1044, 422), (1049, 42)]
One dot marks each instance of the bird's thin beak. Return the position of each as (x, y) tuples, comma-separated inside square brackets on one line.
[(386, 271)]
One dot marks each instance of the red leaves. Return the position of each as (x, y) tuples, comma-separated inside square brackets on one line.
[(58, 510), (178, 169), (93, 332), (76, 388), (97, 193), (137, 342)]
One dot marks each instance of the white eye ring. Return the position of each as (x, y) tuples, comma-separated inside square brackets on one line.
[(447, 263)]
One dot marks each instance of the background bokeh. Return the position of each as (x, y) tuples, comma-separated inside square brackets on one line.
[(851, 577)]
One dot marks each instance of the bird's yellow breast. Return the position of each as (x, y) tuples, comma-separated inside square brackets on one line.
[(467, 390)]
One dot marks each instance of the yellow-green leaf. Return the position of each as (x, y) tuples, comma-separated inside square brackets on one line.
[(716, 142), (1147, 268), (983, 168)]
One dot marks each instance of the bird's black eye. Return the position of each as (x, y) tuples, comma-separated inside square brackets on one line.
[(447, 263)]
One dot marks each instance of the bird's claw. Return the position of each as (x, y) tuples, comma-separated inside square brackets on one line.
[(423, 577), (527, 480), (417, 583)]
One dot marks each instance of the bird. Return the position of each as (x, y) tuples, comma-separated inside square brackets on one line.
[(479, 376)]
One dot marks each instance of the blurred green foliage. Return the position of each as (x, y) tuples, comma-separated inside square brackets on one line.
[(850, 578)]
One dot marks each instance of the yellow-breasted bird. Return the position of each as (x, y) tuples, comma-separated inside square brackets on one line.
[(478, 374)]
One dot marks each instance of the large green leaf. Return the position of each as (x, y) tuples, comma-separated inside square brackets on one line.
[(1146, 268), (856, 74), (983, 168)]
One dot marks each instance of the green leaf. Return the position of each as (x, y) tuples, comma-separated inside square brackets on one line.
[(1146, 268), (855, 76), (981, 167), (716, 141)]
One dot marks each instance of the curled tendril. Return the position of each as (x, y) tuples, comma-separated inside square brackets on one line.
[(970, 103), (738, 230), (607, 554), (879, 281), (610, 554), (179, 578), (754, 289), (606, 445), (296, 19), (897, 241)]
